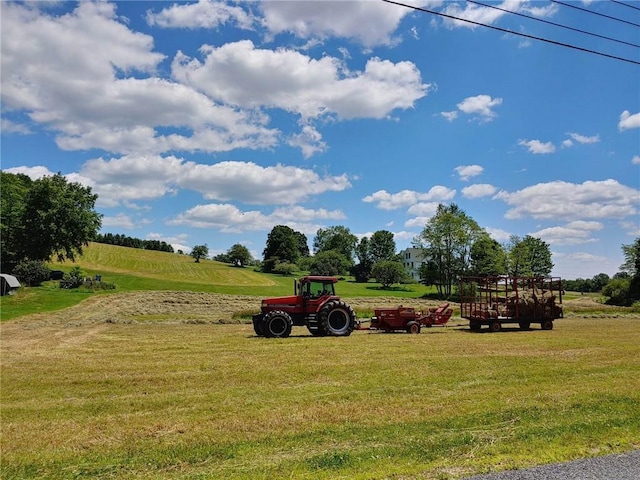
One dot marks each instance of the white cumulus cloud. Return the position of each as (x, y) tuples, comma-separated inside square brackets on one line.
[(405, 198), (479, 190), (571, 201), (468, 171), (538, 147), (628, 121)]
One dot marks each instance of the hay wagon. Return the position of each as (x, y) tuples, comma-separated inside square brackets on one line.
[(496, 301)]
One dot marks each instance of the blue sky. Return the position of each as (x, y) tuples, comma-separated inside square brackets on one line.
[(212, 122)]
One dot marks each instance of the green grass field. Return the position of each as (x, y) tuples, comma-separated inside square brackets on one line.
[(159, 401), (147, 383)]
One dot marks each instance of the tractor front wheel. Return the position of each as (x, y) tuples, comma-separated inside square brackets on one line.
[(277, 324), (257, 325), (337, 318)]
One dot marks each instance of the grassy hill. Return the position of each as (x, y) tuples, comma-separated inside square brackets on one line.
[(136, 269), (131, 269), (161, 270)]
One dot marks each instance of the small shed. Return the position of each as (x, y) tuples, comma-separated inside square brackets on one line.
[(8, 284)]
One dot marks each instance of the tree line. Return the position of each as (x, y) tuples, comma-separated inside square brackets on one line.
[(132, 242), (54, 218)]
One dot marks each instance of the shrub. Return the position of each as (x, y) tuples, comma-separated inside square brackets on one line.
[(330, 263), (73, 279), (285, 268), (388, 272), (32, 272), (618, 291)]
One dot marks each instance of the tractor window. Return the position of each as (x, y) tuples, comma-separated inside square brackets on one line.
[(319, 289)]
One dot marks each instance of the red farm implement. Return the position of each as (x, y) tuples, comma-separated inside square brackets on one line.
[(407, 319)]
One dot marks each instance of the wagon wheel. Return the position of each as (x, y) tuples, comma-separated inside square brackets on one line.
[(475, 326), (547, 325), (495, 327), (337, 318), (413, 327), (277, 324)]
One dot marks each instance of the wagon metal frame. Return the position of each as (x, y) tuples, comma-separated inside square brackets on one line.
[(498, 300)]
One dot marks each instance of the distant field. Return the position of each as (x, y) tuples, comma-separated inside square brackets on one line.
[(163, 266)]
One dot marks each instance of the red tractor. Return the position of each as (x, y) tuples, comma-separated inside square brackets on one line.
[(314, 305)]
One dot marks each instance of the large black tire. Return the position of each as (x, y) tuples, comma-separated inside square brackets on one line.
[(257, 325), (547, 325), (277, 324), (337, 318), (317, 332), (495, 327), (475, 326)]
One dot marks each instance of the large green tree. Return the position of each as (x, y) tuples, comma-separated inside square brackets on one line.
[(338, 238), (239, 255), (283, 246), (529, 256), (446, 242), (488, 257), (56, 218), (362, 271), (13, 192), (199, 251), (382, 246)]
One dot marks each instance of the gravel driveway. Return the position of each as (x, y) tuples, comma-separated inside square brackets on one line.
[(624, 466)]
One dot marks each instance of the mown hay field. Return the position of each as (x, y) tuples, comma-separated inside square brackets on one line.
[(164, 385)]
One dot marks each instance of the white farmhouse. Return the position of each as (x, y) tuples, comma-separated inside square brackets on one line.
[(412, 259)]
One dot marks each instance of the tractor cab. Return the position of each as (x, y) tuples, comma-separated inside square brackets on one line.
[(313, 287)]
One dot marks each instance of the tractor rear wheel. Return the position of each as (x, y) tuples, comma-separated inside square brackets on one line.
[(337, 318), (277, 324)]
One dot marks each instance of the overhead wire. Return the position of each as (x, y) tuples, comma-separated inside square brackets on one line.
[(513, 32), (554, 24), (595, 13), (625, 4)]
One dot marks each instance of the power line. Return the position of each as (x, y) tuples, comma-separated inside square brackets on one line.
[(595, 13), (554, 24), (625, 4), (505, 30)]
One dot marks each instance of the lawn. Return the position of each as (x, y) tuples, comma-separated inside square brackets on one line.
[(188, 400)]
